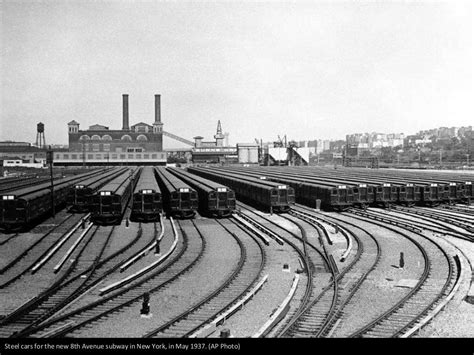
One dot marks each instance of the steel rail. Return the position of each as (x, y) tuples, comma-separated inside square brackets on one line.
[(227, 283), (414, 291), (124, 297)]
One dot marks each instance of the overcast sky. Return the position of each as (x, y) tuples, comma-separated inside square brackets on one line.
[(305, 69)]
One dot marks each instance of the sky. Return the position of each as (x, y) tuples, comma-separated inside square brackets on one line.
[(304, 69)]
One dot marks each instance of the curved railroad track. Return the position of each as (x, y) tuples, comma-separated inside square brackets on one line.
[(308, 264), (243, 277), (32, 254), (316, 312), (457, 208), (460, 222), (32, 313), (81, 276), (430, 223), (365, 261), (314, 260), (436, 281), (189, 250)]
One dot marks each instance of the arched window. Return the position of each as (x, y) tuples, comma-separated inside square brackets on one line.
[(106, 137), (142, 138), (95, 137), (84, 137), (126, 137)]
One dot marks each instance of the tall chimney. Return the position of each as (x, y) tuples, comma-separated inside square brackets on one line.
[(157, 109), (125, 112)]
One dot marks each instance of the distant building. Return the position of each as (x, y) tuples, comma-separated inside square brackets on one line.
[(445, 132), (17, 162), (140, 144), (14, 144), (326, 144), (375, 140), (248, 153), (213, 151), (22, 150)]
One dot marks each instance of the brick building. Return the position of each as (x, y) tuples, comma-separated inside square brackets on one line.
[(139, 144)]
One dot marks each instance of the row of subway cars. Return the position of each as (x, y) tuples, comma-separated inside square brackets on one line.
[(178, 193), (153, 191), (339, 189), (106, 192)]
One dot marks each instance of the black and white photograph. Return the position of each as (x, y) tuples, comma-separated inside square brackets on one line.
[(232, 175)]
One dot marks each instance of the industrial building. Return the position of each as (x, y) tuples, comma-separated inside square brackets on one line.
[(248, 153), (139, 144), (213, 151), (21, 151)]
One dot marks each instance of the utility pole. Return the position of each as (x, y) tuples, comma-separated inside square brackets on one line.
[(49, 160), (83, 152)]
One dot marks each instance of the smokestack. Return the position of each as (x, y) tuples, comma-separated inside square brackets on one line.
[(125, 112), (157, 108)]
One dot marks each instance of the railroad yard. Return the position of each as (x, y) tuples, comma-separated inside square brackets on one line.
[(213, 252)]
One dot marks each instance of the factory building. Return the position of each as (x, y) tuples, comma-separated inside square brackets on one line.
[(208, 152), (139, 144)]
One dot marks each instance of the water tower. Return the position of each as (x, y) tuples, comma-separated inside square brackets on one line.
[(40, 141)]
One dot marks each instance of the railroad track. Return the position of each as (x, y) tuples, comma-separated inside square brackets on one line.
[(22, 184), (241, 280), (461, 217), (299, 323), (457, 208), (32, 313), (7, 239), (316, 312), (452, 220), (34, 257), (364, 262), (319, 315), (189, 250), (464, 214), (308, 263), (35, 252), (433, 224), (417, 225), (424, 296), (423, 308), (84, 274)]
